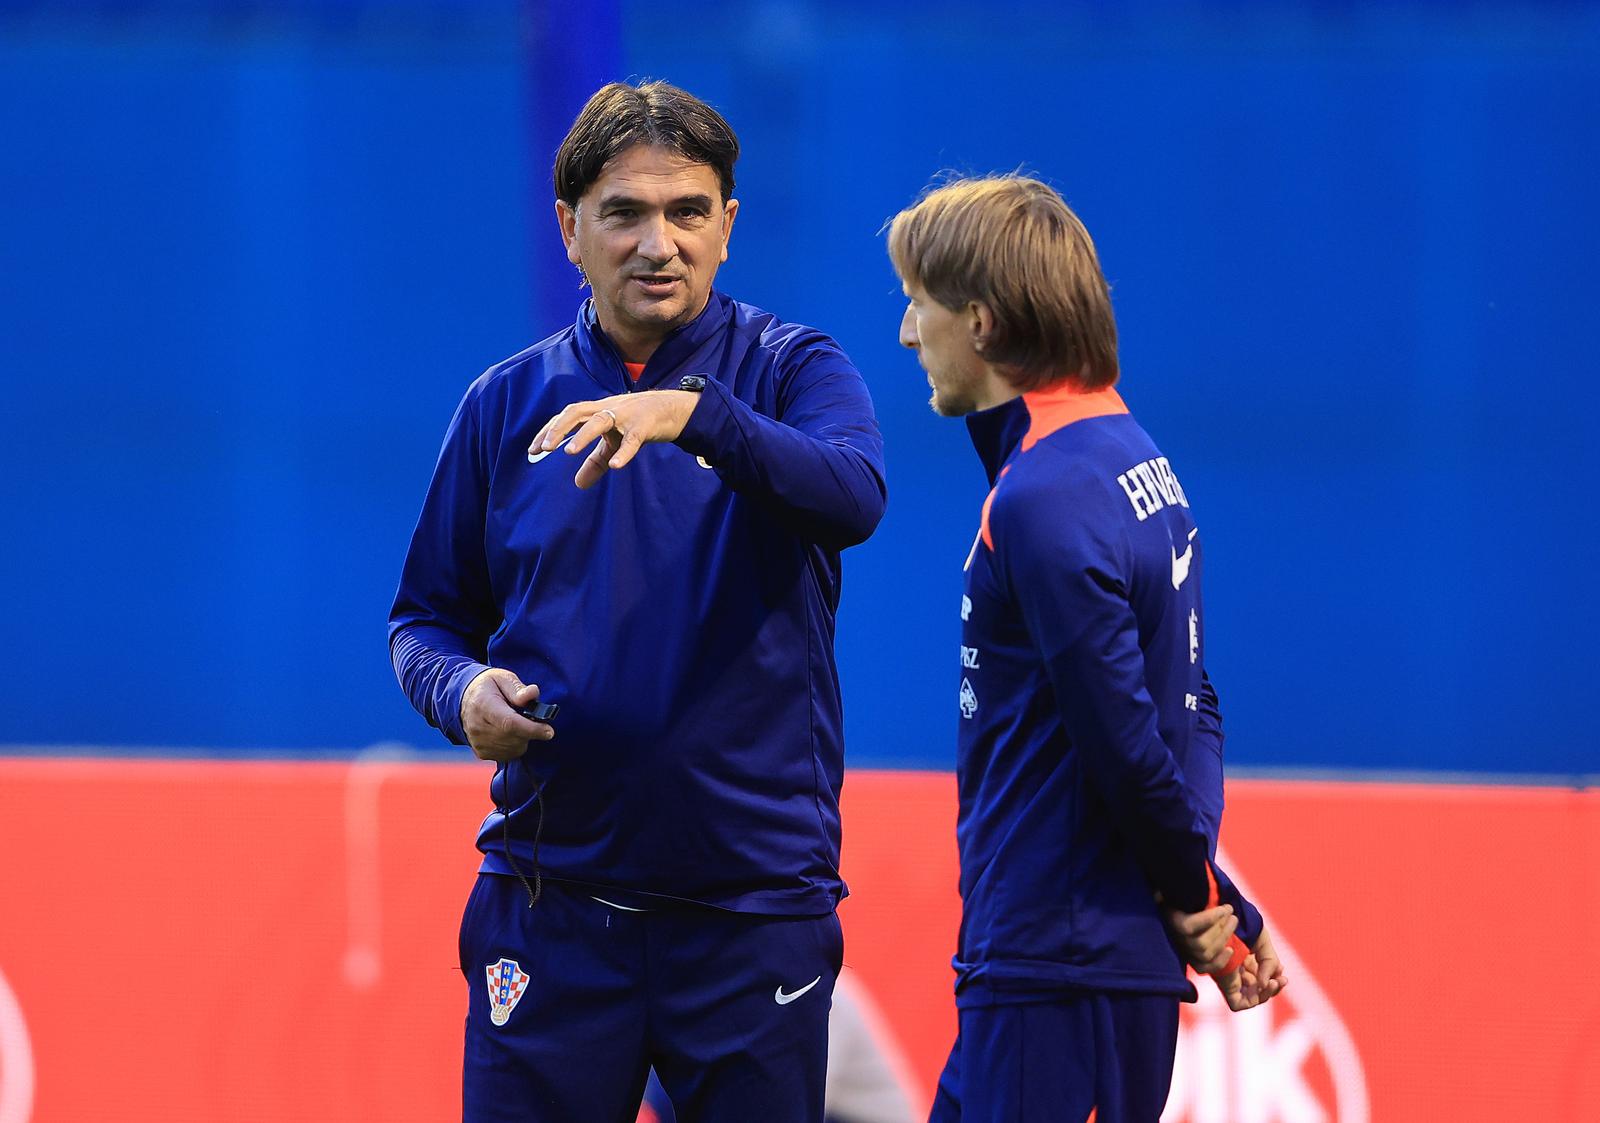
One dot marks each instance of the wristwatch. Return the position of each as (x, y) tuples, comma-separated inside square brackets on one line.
[(694, 383)]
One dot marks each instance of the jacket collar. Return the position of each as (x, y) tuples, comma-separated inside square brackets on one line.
[(1000, 432), (603, 361), (1056, 407), (996, 432)]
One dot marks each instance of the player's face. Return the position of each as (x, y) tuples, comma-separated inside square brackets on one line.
[(943, 342), (649, 234)]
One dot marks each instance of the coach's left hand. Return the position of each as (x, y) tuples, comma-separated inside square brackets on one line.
[(617, 427)]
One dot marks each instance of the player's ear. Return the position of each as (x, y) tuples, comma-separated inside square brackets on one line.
[(729, 209), (980, 324), (567, 219)]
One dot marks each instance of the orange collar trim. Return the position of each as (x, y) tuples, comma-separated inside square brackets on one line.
[(1057, 407), (988, 504)]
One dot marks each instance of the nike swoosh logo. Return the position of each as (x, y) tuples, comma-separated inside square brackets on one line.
[(783, 999), (1180, 564), (535, 457)]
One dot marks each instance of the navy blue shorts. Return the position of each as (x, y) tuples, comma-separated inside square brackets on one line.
[(1101, 1056), (571, 1002)]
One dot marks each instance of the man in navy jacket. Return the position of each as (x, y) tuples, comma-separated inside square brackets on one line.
[(1089, 751), (660, 869)]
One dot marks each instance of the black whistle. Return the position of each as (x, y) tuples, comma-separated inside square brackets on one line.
[(540, 711)]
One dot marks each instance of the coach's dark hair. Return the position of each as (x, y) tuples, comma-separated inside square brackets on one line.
[(619, 116)]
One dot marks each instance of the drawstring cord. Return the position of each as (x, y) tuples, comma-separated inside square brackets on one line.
[(535, 888)]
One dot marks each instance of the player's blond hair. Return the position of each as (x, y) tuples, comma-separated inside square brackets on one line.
[(1012, 243)]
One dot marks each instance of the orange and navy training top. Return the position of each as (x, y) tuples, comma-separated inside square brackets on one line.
[(1089, 755)]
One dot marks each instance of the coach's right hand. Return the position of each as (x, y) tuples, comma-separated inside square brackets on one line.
[(493, 727)]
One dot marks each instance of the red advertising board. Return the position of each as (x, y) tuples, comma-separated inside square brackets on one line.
[(268, 941)]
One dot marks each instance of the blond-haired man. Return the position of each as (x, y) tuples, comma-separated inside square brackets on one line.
[(1090, 740)]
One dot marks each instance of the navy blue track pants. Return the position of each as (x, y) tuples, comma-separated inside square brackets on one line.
[(1098, 1055), (572, 1001)]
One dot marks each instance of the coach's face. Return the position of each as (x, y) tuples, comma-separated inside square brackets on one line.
[(649, 234), (944, 342)]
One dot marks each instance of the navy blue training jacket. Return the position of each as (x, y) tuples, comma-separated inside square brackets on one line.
[(681, 612), (1089, 756)]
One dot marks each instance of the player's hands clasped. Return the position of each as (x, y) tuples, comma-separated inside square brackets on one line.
[(1259, 979), (1202, 937), (488, 715), (617, 427)]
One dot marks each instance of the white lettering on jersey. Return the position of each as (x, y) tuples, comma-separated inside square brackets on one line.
[(968, 699), (966, 609), (1194, 637), (1156, 480), (1136, 495), (969, 658), (1172, 481), (1150, 486)]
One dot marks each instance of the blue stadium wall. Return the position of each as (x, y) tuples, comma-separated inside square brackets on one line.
[(250, 255)]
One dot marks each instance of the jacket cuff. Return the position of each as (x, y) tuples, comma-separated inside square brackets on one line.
[(448, 707), (1250, 922), (711, 430)]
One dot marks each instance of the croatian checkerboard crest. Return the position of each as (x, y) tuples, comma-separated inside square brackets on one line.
[(507, 981)]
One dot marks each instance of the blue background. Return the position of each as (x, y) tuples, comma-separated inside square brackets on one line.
[(251, 254)]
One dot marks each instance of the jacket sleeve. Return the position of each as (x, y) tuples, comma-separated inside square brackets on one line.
[(1068, 568), (1205, 778), (1204, 771), (444, 612), (817, 466)]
